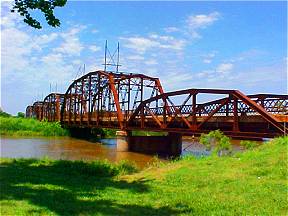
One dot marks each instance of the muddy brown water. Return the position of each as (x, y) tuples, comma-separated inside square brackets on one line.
[(76, 149)]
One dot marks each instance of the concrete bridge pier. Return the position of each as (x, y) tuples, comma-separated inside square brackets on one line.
[(170, 145), (122, 140)]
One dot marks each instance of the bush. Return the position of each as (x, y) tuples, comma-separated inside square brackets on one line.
[(219, 140), (4, 114), (20, 115), (104, 132), (248, 144)]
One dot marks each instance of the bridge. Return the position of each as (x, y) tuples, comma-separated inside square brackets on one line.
[(129, 102)]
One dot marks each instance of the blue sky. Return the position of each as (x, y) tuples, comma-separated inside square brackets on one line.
[(232, 45)]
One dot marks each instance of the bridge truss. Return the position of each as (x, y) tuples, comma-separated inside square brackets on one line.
[(138, 102)]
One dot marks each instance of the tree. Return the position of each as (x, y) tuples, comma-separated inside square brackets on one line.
[(47, 7), (222, 143), (20, 115)]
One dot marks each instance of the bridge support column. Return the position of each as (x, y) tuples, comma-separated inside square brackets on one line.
[(170, 145), (122, 140)]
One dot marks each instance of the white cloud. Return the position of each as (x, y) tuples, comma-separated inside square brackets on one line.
[(171, 29), (135, 57), (45, 39), (71, 43), (142, 44), (151, 62), (10, 20), (94, 48), (77, 62), (31, 61), (70, 46), (53, 58), (200, 21), (16, 46), (207, 61), (224, 68), (207, 58)]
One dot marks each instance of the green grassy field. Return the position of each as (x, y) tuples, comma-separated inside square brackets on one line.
[(249, 183), (15, 126)]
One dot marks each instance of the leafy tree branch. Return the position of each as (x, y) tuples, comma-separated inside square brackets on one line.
[(47, 7)]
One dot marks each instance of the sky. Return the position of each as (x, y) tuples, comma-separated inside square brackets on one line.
[(229, 45)]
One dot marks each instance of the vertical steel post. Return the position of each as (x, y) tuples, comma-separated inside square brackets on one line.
[(98, 99), (194, 120), (89, 101), (235, 115), (82, 100), (116, 100), (118, 52), (129, 95)]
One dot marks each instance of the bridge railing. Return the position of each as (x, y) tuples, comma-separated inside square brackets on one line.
[(233, 113), (272, 105)]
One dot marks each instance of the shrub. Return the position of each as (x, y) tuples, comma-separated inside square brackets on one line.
[(4, 114), (248, 144), (20, 115), (219, 140)]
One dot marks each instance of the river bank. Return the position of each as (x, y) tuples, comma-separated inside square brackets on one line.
[(18, 126), (251, 183)]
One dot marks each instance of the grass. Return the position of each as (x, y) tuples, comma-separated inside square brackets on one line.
[(15, 126), (249, 183)]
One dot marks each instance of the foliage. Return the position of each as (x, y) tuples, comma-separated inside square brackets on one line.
[(109, 133), (222, 143), (247, 144), (104, 132), (30, 127), (148, 133), (20, 115), (47, 7), (253, 183), (4, 114)]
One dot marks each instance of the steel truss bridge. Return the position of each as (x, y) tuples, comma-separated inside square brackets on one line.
[(103, 99)]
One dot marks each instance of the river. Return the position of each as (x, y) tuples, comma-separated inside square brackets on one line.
[(77, 149)]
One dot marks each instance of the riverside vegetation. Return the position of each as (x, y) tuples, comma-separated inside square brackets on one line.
[(20, 126), (253, 182)]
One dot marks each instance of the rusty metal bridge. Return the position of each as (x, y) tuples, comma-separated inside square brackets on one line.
[(103, 99)]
